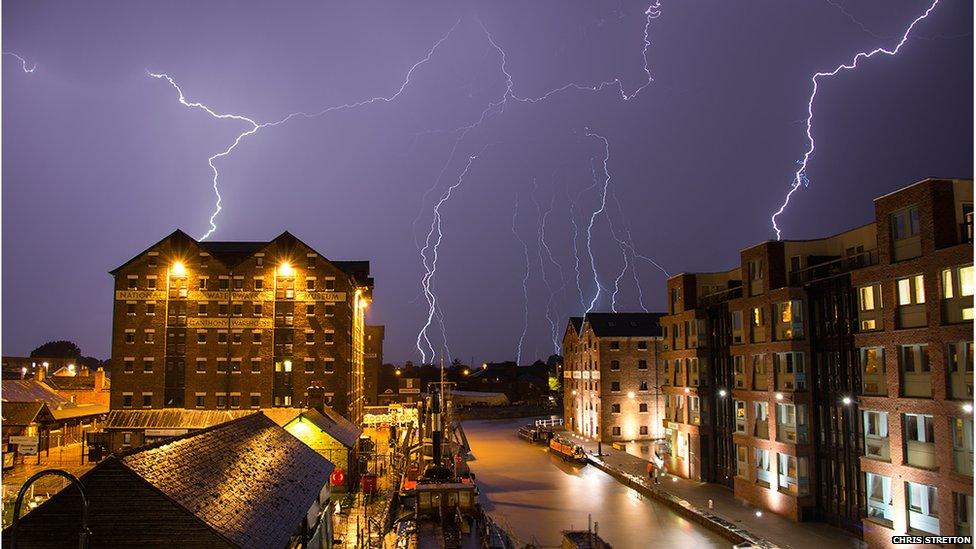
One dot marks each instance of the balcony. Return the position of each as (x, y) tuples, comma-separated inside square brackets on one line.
[(761, 428), (834, 267), (962, 461), (740, 380), (791, 434), (758, 334), (720, 297), (874, 383), (876, 447), (759, 381), (917, 384), (756, 287), (880, 511), (961, 385), (870, 321), (787, 331), (957, 310), (912, 316), (695, 419), (679, 415), (764, 477), (920, 454), (791, 382), (794, 486)]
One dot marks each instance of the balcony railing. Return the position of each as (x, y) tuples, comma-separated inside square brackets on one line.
[(833, 268), (720, 297), (962, 462), (961, 385), (876, 447), (791, 434), (761, 429), (920, 454), (917, 384), (874, 384)]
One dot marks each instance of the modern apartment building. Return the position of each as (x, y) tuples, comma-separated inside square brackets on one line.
[(834, 376), (235, 325), (611, 376)]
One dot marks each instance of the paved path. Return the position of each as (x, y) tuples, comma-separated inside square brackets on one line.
[(773, 528)]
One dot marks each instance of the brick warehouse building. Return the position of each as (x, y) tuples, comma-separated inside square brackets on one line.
[(372, 363), (237, 325), (834, 390), (611, 376)]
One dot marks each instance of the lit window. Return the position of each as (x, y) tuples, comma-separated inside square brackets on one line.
[(911, 290)]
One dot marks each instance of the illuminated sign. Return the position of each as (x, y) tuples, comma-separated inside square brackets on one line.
[(144, 295), (261, 322), (332, 297)]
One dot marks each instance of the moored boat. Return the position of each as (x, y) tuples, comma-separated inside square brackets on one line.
[(567, 449)]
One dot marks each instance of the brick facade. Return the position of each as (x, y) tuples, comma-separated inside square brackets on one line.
[(227, 325)]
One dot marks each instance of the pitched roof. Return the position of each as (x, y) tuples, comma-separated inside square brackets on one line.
[(172, 418), (575, 323), (19, 414), (231, 253), (625, 324), (30, 390), (75, 383), (255, 486), (334, 425), (78, 410)]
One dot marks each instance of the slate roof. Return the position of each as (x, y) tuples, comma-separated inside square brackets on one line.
[(231, 253), (625, 324), (335, 425), (77, 411), (29, 390), (173, 418), (249, 479), (577, 323), (75, 383), (20, 414)]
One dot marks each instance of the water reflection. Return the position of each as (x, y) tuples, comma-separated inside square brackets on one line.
[(536, 495)]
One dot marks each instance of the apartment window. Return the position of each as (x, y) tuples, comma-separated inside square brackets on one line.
[(643, 386), (238, 309), (878, 500), (222, 309), (150, 309), (791, 423), (147, 400), (329, 365), (919, 440), (911, 290), (203, 284), (201, 337), (790, 371), (258, 284), (876, 444), (739, 367), (309, 338), (614, 408), (614, 345), (759, 373), (130, 336), (756, 276), (742, 461), (221, 336), (235, 365), (238, 282), (258, 309), (866, 295), (255, 365), (789, 320), (957, 294), (906, 243), (147, 365), (255, 400), (310, 310), (736, 326), (235, 401), (793, 475), (614, 364), (237, 337), (129, 364), (615, 386), (764, 473), (760, 417), (694, 410), (127, 400), (201, 400), (329, 284), (150, 336), (923, 507), (224, 283), (202, 308), (259, 261), (201, 365), (739, 407), (675, 298), (130, 308), (643, 430), (869, 307), (329, 338), (309, 366), (915, 371), (873, 380), (959, 365), (641, 345), (643, 407), (962, 445), (133, 282), (222, 365), (256, 337), (221, 400), (758, 322), (310, 284), (329, 309), (641, 364), (616, 431), (964, 514)]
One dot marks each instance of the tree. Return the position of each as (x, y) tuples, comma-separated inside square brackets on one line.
[(57, 349)]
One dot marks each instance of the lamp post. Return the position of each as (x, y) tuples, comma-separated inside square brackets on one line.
[(83, 535)]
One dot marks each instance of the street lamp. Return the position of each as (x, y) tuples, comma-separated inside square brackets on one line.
[(179, 269), (285, 268)]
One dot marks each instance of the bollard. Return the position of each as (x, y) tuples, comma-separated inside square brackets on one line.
[(710, 505)]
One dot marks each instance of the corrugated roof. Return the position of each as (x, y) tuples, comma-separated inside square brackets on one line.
[(335, 425), (77, 411), (249, 479), (75, 383), (173, 418), (19, 414), (29, 390), (625, 324)]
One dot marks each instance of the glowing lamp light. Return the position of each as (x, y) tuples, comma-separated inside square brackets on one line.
[(630, 394), (45, 364), (779, 396), (722, 392), (467, 371), (758, 514), (687, 390), (574, 392), (846, 401), (179, 269), (23, 370), (968, 408), (285, 268), (397, 372), (71, 368)]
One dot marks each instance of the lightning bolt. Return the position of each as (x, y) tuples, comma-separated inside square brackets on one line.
[(546, 252), (254, 127), (800, 177), (596, 213), (430, 265), (23, 62), (525, 279)]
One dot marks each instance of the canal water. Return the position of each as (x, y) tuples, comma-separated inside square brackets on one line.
[(536, 495)]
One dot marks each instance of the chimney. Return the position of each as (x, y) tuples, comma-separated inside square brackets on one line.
[(99, 379), (39, 372), (83, 372)]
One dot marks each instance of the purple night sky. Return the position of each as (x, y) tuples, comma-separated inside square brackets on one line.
[(100, 160)]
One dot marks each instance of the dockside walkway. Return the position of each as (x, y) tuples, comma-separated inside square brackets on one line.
[(730, 516)]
